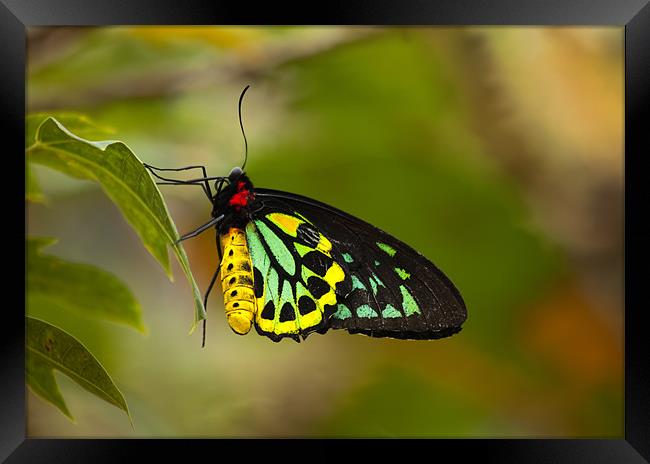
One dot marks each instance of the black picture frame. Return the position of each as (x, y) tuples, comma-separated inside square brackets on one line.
[(634, 15)]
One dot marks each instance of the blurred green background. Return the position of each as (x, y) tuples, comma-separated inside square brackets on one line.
[(496, 152)]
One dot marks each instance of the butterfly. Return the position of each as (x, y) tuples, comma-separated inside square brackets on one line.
[(291, 266)]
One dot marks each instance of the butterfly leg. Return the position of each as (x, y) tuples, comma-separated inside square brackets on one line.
[(186, 168), (204, 184), (185, 183), (204, 227), (207, 293)]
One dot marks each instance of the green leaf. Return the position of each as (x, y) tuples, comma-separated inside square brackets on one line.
[(79, 287), (50, 348), (125, 180), (78, 123)]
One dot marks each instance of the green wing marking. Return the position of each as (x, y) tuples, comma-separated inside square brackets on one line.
[(296, 275), (279, 250)]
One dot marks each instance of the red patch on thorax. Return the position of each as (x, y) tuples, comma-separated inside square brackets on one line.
[(242, 197)]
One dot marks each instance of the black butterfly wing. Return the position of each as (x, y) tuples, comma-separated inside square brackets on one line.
[(389, 290)]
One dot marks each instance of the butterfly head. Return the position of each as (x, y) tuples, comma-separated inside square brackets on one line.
[(235, 174), (236, 195)]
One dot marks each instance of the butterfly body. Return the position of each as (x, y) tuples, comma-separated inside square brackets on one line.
[(236, 272), (292, 266)]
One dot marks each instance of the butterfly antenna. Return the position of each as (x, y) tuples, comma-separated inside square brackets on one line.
[(241, 97)]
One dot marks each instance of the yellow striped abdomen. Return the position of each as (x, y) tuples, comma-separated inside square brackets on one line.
[(237, 280)]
